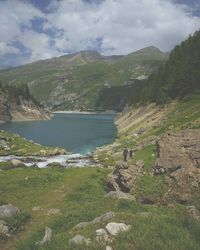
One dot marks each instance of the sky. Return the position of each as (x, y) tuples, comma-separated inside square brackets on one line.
[(34, 30)]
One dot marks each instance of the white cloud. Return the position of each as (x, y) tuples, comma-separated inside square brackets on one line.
[(123, 26), (39, 44), (8, 49)]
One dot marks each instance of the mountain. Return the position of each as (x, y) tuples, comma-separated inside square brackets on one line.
[(3, 67), (16, 104), (74, 81), (175, 79)]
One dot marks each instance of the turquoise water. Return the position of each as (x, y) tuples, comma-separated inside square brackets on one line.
[(78, 133)]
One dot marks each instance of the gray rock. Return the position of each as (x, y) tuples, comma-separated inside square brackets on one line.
[(193, 212), (114, 228), (8, 210), (100, 219), (120, 195), (79, 240), (108, 248), (47, 236), (102, 236), (4, 229), (17, 163)]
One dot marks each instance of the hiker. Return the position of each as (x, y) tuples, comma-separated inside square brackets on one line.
[(125, 153), (131, 153)]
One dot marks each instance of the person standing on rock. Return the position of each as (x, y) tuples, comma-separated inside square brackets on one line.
[(125, 154)]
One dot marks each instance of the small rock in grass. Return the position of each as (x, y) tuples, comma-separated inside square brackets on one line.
[(53, 211), (79, 240), (114, 228), (102, 236), (47, 237), (37, 208), (120, 195), (108, 248)]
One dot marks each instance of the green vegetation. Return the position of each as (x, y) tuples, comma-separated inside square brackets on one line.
[(79, 193), (82, 76), (176, 79), (15, 93), (16, 145), (179, 77)]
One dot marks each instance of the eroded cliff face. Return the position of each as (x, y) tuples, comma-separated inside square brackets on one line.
[(19, 108), (4, 107)]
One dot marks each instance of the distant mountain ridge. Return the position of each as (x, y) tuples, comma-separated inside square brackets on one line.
[(74, 81)]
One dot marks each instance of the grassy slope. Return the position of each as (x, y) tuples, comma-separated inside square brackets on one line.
[(79, 193), (21, 146), (156, 121)]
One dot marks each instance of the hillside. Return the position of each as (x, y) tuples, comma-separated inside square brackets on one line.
[(175, 79), (179, 77), (74, 81), (16, 104)]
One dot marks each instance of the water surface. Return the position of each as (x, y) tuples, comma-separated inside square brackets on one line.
[(78, 133)]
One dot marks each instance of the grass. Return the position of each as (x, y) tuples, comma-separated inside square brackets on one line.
[(79, 193), (20, 146)]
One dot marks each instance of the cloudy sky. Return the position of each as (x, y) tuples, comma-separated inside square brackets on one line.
[(38, 29)]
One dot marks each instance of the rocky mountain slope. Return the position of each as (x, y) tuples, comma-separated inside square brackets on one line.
[(16, 104), (74, 81)]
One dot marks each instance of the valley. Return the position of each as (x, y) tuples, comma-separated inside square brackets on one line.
[(150, 202)]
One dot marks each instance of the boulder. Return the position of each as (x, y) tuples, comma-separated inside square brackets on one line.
[(47, 236), (120, 195), (8, 210), (124, 176), (17, 163), (114, 228), (79, 240)]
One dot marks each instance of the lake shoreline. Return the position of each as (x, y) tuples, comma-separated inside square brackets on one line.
[(111, 112)]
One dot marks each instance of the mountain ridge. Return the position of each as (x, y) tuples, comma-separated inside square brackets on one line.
[(75, 81)]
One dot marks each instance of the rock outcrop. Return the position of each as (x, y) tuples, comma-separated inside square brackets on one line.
[(16, 104), (124, 176), (179, 159)]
